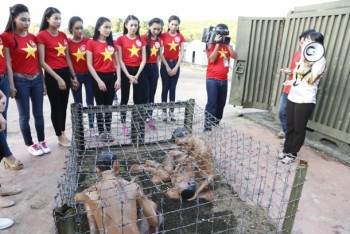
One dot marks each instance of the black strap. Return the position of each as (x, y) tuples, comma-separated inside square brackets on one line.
[(295, 82)]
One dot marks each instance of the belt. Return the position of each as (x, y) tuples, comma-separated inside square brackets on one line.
[(26, 76), (171, 60), (2, 75)]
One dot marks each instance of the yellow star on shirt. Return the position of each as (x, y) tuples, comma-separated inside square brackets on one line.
[(1, 47), (79, 55), (134, 51), (61, 49), (154, 51), (173, 45), (30, 51), (222, 53), (107, 55)]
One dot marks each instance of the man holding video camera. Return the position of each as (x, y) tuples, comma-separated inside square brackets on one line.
[(219, 52)]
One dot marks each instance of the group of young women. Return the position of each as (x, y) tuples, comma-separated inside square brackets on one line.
[(52, 63)]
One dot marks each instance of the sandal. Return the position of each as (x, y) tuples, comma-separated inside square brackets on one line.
[(9, 192), (12, 163), (4, 203)]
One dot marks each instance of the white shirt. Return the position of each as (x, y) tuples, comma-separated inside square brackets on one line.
[(301, 91)]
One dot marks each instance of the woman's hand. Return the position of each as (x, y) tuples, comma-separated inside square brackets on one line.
[(75, 84), (102, 86), (2, 123), (117, 85), (61, 84), (13, 91), (3, 100)]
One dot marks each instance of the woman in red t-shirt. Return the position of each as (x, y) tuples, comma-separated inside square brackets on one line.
[(26, 81), (102, 63), (219, 55), (132, 59), (77, 52), (59, 73), (151, 71), (172, 56)]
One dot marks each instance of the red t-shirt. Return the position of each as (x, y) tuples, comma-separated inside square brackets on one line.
[(24, 59), (103, 55), (172, 45), (131, 50), (77, 53), (2, 57), (220, 67), (154, 48), (295, 59), (55, 48)]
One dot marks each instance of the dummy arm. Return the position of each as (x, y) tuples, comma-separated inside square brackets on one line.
[(89, 207)]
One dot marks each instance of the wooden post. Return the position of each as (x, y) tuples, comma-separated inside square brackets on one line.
[(77, 124), (189, 113), (295, 195)]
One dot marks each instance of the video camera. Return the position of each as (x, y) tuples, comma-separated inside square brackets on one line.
[(209, 34)]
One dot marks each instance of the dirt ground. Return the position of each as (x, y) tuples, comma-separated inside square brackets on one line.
[(324, 206)]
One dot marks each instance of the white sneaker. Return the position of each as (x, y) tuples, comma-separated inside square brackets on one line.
[(288, 159), (44, 147), (35, 150), (164, 117), (172, 116), (282, 155), (5, 223)]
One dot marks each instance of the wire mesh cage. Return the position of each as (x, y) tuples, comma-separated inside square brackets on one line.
[(159, 168)]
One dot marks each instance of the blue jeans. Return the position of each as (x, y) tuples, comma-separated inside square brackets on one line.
[(169, 83), (216, 101), (86, 80), (30, 90), (282, 111), (5, 88)]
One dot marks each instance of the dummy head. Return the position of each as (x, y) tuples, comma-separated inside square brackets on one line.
[(188, 192), (106, 160)]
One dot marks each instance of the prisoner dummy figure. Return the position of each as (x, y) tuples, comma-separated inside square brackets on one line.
[(195, 147), (183, 169), (111, 204)]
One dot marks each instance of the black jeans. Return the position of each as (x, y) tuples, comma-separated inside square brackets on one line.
[(169, 83), (58, 99), (139, 90), (297, 117), (104, 98)]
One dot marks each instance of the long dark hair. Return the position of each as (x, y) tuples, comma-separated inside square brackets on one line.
[(128, 18), (72, 21), (99, 22), (174, 17), (15, 10), (47, 14), (149, 39)]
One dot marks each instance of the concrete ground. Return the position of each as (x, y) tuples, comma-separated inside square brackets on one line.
[(324, 206)]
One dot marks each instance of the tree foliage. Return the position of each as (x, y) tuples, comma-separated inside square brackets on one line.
[(192, 30)]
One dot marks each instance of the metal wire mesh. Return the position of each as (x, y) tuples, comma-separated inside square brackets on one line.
[(250, 194)]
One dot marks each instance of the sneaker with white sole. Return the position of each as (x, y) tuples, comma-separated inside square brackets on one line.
[(282, 155), (164, 117), (288, 159), (44, 147), (125, 131), (150, 124), (35, 150), (172, 116)]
